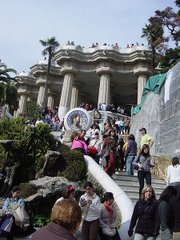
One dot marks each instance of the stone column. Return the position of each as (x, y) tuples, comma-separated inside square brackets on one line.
[(141, 82), (50, 102), (41, 93), (66, 93), (74, 97), (22, 104), (104, 86)]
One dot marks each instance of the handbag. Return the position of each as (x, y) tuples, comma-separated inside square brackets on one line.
[(6, 224), (20, 215), (108, 231), (136, 167), (92, 150)]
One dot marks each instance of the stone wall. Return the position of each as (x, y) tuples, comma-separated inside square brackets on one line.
[(160, 115)]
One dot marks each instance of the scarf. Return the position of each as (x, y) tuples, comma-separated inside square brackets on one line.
[(110, 211)]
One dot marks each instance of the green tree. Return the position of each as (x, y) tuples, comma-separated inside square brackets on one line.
[(50, 45), (154, 34), (170, 20), (5, 73), (8, 91)]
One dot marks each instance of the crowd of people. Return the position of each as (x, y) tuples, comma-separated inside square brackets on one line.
[(92, 217), (105, 144), (114, 46)]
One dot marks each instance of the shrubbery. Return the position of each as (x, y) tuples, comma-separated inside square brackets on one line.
[(76, 169)]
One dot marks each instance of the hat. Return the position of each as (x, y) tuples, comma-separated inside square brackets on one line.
[(142, 129)]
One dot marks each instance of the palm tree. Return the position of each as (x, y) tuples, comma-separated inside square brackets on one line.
[(5, 73), (153, 32), (51, 44), (8, 91)]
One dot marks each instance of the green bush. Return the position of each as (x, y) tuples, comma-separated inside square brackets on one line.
[(40, 221), (29, 145), (76, 169)]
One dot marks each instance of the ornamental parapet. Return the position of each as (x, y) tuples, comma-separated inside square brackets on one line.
[(105, 53), (41, 69), (25, 79)]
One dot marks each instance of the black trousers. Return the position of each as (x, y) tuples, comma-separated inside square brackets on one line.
[(143, 175)]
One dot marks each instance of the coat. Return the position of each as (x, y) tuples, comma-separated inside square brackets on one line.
[(175, 209), (146, 215), (52, 231)]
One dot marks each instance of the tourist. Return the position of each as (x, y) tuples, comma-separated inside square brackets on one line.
[(18, 218), (79, 144), (175, 209), (143, 163), (145, 139), (65, 221), (110, 160), (130, 154), (103, 107), (94, 148), (145, 217), (38, 121), (120, 159), (165, 214), (109, 218), (173, 173), (56, 122), (91, 209), (69, 193), (121, 126), (127, 125), (93, 130)]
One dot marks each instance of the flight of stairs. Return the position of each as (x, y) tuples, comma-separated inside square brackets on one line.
[(130, 185)]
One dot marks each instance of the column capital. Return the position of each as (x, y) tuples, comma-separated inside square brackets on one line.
[(69, 69), (142, 71), (105, 70), (24, 92)]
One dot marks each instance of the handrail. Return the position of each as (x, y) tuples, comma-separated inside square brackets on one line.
[(122, 200), (161, 163)]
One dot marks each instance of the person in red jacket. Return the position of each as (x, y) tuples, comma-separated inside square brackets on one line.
[(65, 220), (111, 161)]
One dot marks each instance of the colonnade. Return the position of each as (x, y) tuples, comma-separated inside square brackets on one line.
[(71, 89), (68, 84)]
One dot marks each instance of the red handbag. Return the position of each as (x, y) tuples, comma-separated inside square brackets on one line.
[(92, 150)]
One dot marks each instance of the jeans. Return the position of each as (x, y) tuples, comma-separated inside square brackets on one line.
[(129, 167), (138, 236), (166, 234), (141, 176)]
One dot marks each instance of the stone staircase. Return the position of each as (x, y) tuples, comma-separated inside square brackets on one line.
[(130, 185)]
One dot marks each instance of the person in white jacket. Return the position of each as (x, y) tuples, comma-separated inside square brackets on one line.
[(91, 209), (173, 173)]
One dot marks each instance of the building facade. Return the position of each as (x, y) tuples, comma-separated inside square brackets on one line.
[(97, 75)]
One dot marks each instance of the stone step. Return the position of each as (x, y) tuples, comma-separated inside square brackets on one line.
[(130, 185), (131, 189), (135, 185), (124, 177)]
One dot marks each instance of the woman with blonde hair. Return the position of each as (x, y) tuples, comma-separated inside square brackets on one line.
[(145, 216), (65, 220)]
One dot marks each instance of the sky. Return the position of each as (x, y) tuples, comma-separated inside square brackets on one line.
[(25, 22)]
